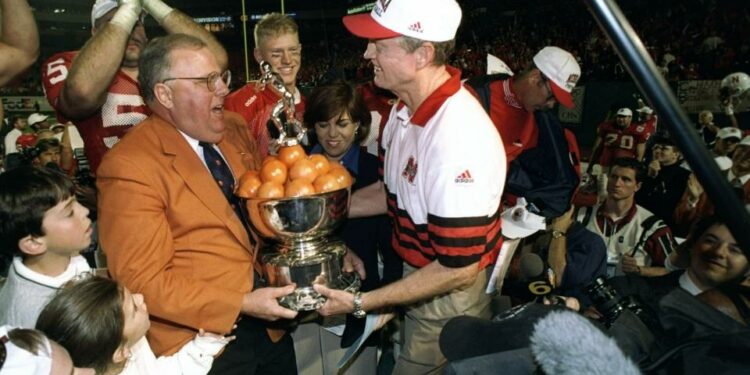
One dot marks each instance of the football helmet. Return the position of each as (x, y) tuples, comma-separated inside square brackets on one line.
[(734, 85)]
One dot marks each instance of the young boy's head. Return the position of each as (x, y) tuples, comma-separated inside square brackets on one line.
[(39, 214)]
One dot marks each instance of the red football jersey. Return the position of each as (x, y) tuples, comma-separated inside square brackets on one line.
[(123, 108), (255, 107), (620, 142)]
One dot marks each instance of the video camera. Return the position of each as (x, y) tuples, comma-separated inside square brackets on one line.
[(610, 304)]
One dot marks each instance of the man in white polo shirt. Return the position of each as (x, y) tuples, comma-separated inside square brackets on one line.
[(443, 175)]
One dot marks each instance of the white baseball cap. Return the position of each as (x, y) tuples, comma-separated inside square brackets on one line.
[(625, 112), (645, 109), (100, 8), (562, 70), (430, 20), (518, 222), (35, 118), (729, 132)]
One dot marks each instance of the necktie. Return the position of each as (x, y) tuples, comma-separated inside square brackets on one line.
[(224, 178)]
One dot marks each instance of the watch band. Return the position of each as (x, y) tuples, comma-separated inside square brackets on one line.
[(558, 234), (358, 312)]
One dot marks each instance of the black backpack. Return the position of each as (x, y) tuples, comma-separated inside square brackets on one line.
[(544, 175)]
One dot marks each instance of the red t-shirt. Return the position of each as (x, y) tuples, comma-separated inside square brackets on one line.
[(516, 126)]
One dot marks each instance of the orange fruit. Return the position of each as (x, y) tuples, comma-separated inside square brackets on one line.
[(326, 183), (299, 188), (273, 170), (342, 176), (291, 154), (271, 189), (248, 185), (303, 169), (322, 165), (268, 158), (335, 164)]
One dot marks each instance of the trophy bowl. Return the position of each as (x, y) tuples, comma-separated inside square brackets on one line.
[(293, 221), (302, 251)]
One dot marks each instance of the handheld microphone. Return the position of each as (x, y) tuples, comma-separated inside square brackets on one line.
[(566, 343), (538, 279)]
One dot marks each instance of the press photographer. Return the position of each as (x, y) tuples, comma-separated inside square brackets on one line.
[(671, 322), (688, 321)]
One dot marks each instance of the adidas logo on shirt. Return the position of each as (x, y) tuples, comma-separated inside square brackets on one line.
[(464, 178)]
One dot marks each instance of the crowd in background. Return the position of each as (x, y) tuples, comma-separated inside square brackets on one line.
[(636, 196), (695, 39)]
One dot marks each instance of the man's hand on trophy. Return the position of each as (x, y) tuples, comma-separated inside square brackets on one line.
[(352, 263), (263, 303), (337, 301)]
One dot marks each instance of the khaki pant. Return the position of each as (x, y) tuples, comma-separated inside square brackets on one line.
[(420, 353)]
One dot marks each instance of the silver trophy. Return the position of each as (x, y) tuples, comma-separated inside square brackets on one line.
[(301, 249)]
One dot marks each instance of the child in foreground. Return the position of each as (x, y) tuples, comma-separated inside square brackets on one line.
[(103, 326)]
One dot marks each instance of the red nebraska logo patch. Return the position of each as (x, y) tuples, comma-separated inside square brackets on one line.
[(410, 170)]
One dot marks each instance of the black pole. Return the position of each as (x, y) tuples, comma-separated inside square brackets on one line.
[(643, 70)]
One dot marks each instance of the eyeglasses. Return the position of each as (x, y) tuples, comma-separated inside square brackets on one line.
[(212, 80)]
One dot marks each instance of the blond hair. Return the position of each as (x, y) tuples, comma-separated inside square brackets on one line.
[(273, 25)]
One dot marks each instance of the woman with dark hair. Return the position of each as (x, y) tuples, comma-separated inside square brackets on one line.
[(339, 119), (103, 326)]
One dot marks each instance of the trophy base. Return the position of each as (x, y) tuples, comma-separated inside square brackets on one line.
[(307, 268), (307, 299)]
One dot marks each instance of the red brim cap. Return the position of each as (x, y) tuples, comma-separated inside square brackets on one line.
[(561, 95), (364, 26)]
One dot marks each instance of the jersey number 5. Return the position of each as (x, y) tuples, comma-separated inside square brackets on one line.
[(57, 66)]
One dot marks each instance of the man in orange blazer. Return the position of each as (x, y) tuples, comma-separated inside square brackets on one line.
[(168, 230)]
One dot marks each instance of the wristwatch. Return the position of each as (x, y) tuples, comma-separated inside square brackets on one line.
[(358, 312), (558, 234)]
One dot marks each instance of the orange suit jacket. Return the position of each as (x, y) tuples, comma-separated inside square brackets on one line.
[(169, 233)]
